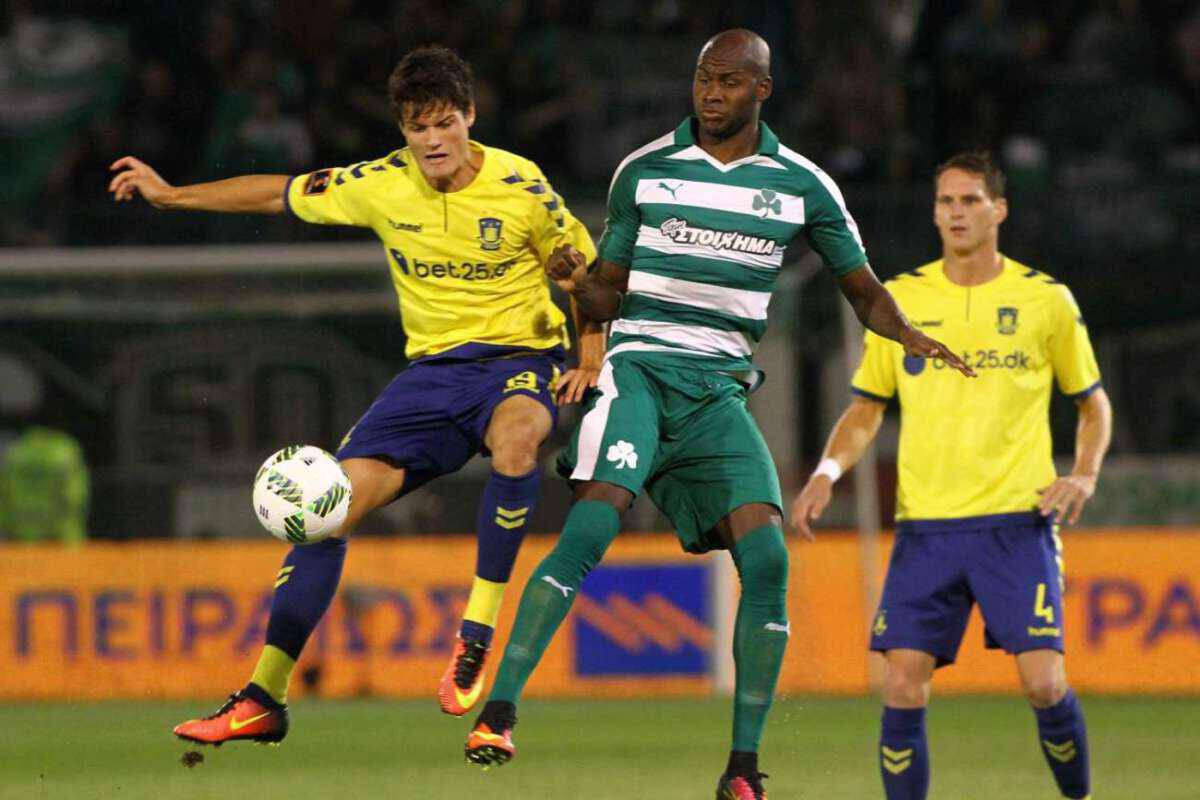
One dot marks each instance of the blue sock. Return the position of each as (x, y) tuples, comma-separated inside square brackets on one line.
[(504, 507), (504, 510), (1063, 736), (304, 589), (904, 753)]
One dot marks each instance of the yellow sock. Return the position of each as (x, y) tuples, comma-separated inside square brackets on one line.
[(273, 672), (483, 606)]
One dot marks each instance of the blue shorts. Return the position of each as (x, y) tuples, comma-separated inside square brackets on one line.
[(1010, 564), (431, 419)]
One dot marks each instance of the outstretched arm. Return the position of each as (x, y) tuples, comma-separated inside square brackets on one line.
[(876, 309), (1067, 495), (254, 194), (848, 440)]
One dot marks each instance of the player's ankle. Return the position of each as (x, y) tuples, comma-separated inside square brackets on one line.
[(499, 715), (742, 762)]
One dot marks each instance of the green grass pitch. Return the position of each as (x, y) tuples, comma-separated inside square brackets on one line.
[(1142, 749)]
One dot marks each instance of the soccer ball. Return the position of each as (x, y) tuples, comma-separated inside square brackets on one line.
[(301, 494)]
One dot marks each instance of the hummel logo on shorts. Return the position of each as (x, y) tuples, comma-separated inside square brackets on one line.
[(566, 590)]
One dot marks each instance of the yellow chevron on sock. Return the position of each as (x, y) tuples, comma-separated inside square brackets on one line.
[(1062, 752), (896, 761), (510, 518)]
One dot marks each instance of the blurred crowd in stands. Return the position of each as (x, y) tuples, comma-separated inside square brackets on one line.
[(1069, 92)]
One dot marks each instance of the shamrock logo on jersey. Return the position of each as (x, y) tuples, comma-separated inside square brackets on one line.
[(767, 201), (623, 454)]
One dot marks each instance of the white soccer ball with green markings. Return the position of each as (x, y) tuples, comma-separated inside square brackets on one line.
[(301, 494)]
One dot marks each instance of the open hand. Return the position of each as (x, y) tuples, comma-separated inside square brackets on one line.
[(810, 504), (918, 344), (138, 177), (1067, 496), (573, 384)]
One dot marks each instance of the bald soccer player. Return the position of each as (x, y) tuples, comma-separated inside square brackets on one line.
[(698, 223)]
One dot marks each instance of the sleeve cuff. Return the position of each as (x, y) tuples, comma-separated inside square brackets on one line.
[(1084, 394), (287, 203), (869, 395)]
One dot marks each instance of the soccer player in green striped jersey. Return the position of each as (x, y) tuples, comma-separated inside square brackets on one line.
[(698, 224)]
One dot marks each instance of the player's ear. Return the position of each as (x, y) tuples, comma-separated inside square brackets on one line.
[(1001, 209), (470, 115), (763, 90)]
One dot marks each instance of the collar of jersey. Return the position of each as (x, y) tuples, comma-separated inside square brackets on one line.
[(938, 273)]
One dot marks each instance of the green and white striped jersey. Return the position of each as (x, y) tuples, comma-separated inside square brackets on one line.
[(704, 242)]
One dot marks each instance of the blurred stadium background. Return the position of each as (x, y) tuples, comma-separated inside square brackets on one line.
[(170, 353)]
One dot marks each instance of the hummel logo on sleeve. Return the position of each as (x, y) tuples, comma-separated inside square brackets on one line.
[(566, 590)]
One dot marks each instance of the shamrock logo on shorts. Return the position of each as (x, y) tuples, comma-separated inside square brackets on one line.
[(623, 454)]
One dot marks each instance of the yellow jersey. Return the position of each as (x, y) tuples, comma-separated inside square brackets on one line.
[(977, 446), (467, 265)]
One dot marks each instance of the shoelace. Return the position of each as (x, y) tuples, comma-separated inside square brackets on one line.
[(233, 700), (469, 663)]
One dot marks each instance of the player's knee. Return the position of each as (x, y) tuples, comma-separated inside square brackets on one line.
[(763, 562), (515, 451), (1046, 690), (905, 688)]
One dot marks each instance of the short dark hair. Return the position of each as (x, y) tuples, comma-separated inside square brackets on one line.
[(976, 162), (428, 77)]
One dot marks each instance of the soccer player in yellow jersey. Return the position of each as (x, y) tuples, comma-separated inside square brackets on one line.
[(467, 230), (978, 500)]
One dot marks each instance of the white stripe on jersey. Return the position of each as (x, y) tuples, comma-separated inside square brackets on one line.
[(591, 428), (736, 302), (654, 239), (829, 185), (689, 337), (666, 140), (721, 197)]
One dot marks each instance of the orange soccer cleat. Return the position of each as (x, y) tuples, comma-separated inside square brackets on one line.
[(462, 682), (240, 718), (741, 787), (487, 748)]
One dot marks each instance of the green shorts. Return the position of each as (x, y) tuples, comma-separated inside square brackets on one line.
[(683, 433)]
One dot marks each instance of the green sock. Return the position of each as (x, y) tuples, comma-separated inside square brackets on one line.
[(760, 635), (591, 526)]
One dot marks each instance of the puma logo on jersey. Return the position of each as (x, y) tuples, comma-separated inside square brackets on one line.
[(775, 626)]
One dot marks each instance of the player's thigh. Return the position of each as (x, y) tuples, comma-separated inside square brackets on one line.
[(1015, 575), (374, 482), (616, 441), (926, 600), (715, 478), (409, 426), (518, 426)]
